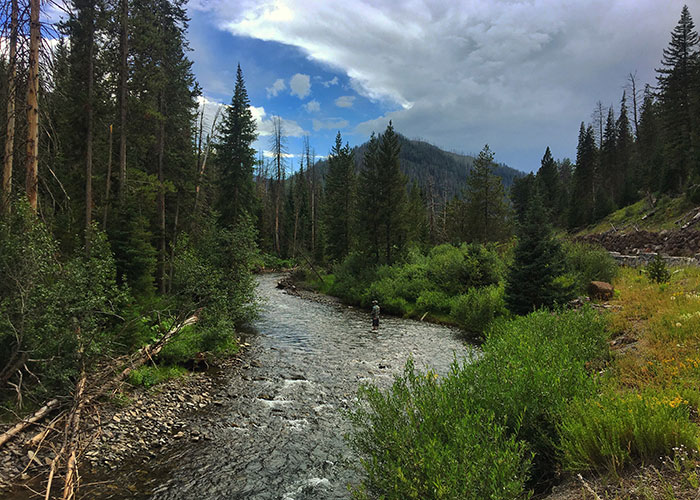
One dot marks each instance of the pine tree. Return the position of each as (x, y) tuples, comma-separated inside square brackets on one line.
[(624, 152), (416, 216), (548, 181), (369, 202), (521, 191), (235, 156), (675, 81), (393, 200), (607, 176), (582, 201), (538, 262), (650, 145), (487, 210), (340, 192)]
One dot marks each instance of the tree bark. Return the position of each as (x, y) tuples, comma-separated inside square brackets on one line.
[(5, 202), (32, 178), (123, 78), (108, 182), (90, 126), (161, 198)]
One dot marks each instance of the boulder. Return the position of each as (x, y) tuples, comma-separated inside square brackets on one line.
[(600, 290)]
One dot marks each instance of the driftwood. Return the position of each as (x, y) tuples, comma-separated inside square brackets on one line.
[(37, 416), (83, 395)]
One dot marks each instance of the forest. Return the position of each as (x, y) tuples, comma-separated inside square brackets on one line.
[(128, 230)]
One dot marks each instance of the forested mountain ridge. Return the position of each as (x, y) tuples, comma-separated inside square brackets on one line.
[(433, 168)]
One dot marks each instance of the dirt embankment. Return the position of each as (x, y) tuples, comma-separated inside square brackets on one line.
[(679, 243)]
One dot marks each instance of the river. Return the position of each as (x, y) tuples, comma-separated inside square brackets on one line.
[(279, 432)]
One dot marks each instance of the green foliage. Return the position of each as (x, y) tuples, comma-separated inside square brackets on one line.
[(491, 421), (53, 310), (533, 278), (456, 269), (150, 375), (477, 308), (434, 301), (339, 200), (608, 432), (531, 368), (420, 441), (588, 263), (657, 270)]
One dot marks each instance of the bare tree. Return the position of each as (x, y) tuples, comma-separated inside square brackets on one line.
[(598, 118), (32, 178), (278, 152), (632, 86), (11, 99), (123, 77), (203, 155)]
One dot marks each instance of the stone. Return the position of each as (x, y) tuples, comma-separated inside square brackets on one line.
[(600, 290)]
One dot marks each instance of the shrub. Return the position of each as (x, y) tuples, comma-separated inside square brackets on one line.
[(476, 309), (657, 270), (456, 269), (432, 301), (608, 432), (531, 367), (588, 263), (352, 278), (418, 441)]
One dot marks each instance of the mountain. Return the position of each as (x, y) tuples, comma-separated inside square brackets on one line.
[(423, 163)]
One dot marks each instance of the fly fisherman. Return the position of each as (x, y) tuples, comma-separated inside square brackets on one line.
[(375, 315)]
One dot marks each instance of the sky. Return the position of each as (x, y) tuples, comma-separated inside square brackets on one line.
[(517, 75)]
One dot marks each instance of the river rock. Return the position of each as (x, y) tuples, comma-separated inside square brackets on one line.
[(600, 290)]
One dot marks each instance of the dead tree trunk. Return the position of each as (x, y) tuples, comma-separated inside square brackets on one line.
[(90, 125), (161, 198), (108, 182), (32, 178), (123, 76), (5, 203)]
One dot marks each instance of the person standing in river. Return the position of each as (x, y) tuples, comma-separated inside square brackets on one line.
[(375, 315)]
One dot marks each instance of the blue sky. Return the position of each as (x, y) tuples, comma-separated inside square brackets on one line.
[(519, 75)]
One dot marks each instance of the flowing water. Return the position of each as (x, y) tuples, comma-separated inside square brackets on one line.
[(279, 432)]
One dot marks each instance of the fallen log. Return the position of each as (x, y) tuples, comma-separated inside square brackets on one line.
[(38, 415)]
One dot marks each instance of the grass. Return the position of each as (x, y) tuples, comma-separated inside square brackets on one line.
[(668, 210), (150, 375)]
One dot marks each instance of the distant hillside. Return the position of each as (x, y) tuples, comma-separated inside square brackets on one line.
[(422, 162)]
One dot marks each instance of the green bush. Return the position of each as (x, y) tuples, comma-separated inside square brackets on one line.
[(586, 263), (433, 301), (474, 430), (657, 270), (531, 367), (352, 278), (150, 375), (419, 441), (476, 309), (611, 431), (456, 269)]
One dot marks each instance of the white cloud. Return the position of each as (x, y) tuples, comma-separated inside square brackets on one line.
[(276, 88), (313, 106), (290, 128), (329, 124), (300, 85), (270, 154), (345, 101), (332, 81), (517, 74)]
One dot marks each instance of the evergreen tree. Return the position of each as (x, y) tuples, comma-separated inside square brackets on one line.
[(649, 145), (418, 231), (548, 181), (369, 202), (675, 83), (487, 210), (538, 262), (235, 156), (521, 191), (607, 176), (393, 200), (582, 201), (624, 152), (339, 200)]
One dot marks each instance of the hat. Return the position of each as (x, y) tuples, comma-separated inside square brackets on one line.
[(374, 302)]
